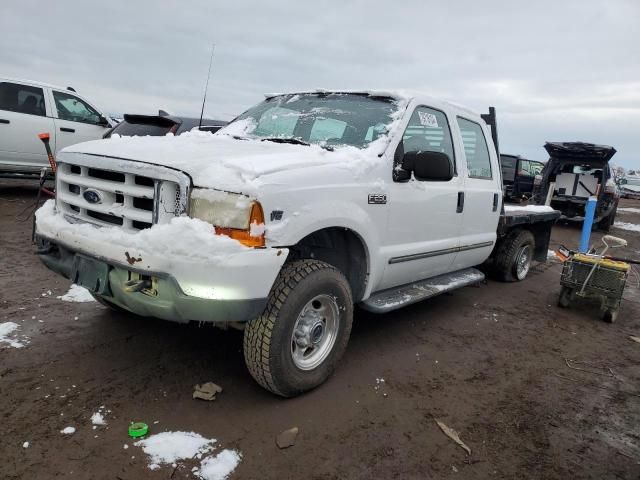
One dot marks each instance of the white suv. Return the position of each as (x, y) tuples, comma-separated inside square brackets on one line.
[(28, 108)]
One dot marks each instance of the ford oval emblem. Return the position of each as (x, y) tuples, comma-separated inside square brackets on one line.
[(92, 196)]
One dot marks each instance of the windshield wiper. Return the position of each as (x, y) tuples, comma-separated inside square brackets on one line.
[(294, 141)]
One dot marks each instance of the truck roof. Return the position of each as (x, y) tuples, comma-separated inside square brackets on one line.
[(34, 83), (406, 95)]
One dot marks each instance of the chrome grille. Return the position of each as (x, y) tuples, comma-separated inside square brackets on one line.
[(124, 198)]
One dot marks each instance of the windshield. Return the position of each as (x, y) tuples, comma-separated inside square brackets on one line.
[(326, 119)]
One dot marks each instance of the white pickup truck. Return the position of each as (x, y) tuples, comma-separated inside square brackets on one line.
[(302, 207)]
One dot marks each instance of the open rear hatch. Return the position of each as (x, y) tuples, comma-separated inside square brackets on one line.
[(580, 152), (578, 168), (142, 125)]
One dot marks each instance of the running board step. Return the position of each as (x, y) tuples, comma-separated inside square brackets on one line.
[(404, 295)]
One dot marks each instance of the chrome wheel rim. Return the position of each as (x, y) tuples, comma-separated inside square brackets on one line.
[(523, 261), (315, 332)]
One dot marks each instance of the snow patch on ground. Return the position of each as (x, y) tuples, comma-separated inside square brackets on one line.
[(98, 419), (77, 294), (170, 447), (6, 329), (629, 210), (633, 227), (68, 431), (528, 208), (220, 466), (551, 254)]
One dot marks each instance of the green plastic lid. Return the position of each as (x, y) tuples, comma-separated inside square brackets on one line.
[(138, 429)]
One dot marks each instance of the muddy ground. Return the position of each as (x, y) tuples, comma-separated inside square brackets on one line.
[(499, 363)]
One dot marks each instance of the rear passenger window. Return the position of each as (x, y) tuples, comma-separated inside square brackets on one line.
[(22, 99), (428, 131), (475, 149)]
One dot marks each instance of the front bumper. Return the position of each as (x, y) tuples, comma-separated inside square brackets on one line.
[(183, 288)]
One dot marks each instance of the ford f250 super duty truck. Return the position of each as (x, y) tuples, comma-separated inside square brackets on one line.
[(302, 207)]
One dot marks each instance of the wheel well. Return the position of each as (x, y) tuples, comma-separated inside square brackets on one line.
[(340, 247)]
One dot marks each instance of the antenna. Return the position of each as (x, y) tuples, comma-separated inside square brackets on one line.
[(206, 86)]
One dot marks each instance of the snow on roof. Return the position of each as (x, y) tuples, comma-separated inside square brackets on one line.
[(408, 95)]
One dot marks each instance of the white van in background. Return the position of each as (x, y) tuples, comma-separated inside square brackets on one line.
[(28, 108)]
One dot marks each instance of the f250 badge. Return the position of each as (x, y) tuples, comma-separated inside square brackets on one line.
[(377, 198)]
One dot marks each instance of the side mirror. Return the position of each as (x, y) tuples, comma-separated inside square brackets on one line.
[(430, 166)]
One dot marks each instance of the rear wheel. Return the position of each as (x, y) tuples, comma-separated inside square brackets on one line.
[(300, 337), (606, 223), (514, 255)]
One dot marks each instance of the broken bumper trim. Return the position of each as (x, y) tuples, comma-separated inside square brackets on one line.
[(170, 302)]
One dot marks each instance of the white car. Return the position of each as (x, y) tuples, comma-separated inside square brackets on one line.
[(303, 206), (29, 108), (630, 187)]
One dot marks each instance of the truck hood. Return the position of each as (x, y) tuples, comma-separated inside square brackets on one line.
[(220, 161), (580, 152)]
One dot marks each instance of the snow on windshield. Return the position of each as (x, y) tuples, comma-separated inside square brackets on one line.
[(325, 119)]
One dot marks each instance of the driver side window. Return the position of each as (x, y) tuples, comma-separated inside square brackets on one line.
[(428, 131), (73, 109)]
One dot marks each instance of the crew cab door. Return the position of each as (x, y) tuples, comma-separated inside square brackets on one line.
[(24, 113), (75, 120), (483, 194), (424, 216)]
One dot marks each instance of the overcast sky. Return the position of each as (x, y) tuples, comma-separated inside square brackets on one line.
[(555, 70)]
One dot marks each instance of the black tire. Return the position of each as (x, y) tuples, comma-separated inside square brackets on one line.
[(606, 223), (268, 339), (564, 300), (505, 266)]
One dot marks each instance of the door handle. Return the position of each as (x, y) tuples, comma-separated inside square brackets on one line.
[(460, 206), (2, 120), (65, 129), (495, 202)]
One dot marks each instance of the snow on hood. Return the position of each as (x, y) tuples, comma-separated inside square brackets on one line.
[(223, 162)]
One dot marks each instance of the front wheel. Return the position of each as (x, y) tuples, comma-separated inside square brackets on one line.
[(296, 343)]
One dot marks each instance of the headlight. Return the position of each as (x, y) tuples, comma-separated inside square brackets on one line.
[(234, 215)]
